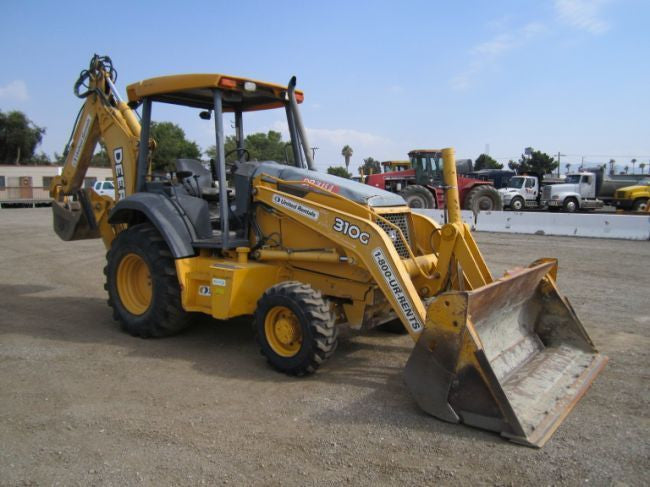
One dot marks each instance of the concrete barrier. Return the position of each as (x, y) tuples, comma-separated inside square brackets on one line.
[(438, 215), (595, 225), (628, 227)]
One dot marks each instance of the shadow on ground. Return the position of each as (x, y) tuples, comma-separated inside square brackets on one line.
[(227, 349)]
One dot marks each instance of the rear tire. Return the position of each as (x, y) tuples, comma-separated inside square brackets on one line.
[(640, 205), (295, 328), (483, 198), (417, 196), (142, 286)]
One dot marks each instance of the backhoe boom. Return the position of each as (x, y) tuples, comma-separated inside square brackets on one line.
[(105, 118)]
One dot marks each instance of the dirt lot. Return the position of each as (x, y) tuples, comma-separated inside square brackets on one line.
[(82, 403)]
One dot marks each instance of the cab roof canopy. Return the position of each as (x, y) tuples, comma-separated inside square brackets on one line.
[(196, 90)]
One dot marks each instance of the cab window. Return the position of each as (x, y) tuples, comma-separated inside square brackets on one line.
[(530, 183), (108, 185)]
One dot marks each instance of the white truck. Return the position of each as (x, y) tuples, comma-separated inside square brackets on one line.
[(522, 192), (105, 188), (580, 191)]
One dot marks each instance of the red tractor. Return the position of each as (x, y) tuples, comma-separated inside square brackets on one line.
[(421, 184)]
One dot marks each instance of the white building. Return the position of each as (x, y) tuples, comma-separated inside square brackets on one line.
[(31, 184)]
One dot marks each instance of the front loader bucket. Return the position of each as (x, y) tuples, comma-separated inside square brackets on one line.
[(73, 222), (511, 356)]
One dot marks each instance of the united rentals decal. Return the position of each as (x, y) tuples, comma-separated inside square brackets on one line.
[(296, 207), (406, 307)]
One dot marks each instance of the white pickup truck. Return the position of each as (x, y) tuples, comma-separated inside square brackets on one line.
[(104, 188)]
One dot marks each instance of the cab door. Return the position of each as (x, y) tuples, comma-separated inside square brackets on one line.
[(587, 186), (531, 188)]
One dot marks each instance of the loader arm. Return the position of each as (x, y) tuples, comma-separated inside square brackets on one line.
[(353, 226), (81, 213), (365, 243)]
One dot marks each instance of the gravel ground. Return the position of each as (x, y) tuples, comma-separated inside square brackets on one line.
[(82, 403)]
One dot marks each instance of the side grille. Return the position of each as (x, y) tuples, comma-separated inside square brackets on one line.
[(400, 220), (546, 193)]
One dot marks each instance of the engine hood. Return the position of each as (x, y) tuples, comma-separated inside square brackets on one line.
[(633, 189), (565, 188), (357, 192)]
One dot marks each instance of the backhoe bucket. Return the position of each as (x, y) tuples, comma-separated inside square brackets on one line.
[(511, 356), (73, 222)]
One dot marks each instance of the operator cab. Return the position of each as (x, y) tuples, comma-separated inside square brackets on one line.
[(427, 165), (218, 218)]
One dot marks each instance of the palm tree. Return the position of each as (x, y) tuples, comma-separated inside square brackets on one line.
[(633, 161), (568, 166), (626, 169), (642, 166), (612, 162), (347, 153)]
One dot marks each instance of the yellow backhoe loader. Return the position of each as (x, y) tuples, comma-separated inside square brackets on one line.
[(306, 252)]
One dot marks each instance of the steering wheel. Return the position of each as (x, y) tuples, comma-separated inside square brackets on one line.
[(248, 155)]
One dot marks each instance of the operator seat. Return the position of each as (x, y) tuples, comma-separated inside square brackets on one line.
[(196, 179)]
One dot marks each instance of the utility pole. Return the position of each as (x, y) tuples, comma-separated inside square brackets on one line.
[(558, 163)]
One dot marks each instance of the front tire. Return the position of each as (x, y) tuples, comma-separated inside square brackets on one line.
[(483, 198), (417, 196), (517, 204), (142, 286), (571, 205), (295, 328), (640, 205)]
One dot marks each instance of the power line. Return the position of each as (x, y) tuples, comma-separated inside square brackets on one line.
[(607, 155), (577, 155)]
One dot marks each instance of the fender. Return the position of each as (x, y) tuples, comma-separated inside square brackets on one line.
[(570, 194), (162, 213)]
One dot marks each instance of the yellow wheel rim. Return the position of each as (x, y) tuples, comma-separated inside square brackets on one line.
[(283, 331), (134, 284)]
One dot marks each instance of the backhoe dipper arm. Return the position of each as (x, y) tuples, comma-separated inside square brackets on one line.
[(103, 117)]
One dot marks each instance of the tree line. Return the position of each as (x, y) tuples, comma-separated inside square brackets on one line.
[(20, 137)]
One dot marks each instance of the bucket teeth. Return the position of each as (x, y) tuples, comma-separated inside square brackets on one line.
[(511, 356)]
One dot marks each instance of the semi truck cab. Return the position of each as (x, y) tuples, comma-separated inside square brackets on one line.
[(579, 191)]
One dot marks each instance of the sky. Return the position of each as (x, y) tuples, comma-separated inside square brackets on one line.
[(561, 76)]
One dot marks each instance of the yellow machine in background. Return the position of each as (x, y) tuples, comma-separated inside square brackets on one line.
[(305, 252), (635, 197)]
